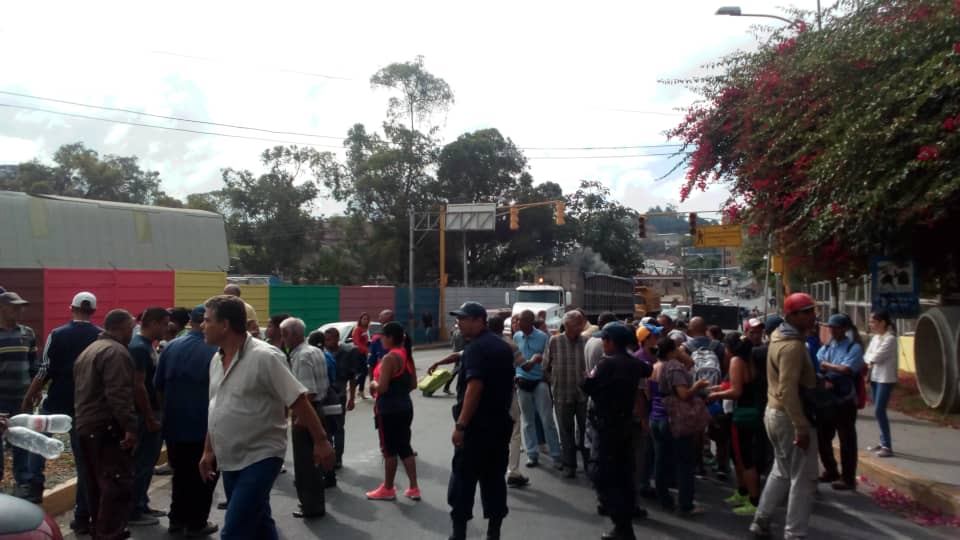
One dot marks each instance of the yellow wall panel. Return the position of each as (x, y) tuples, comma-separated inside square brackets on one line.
[(193, 287), (907, 362), (257, 296)]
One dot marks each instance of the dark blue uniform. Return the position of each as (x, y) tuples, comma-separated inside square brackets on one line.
[(483, 457)]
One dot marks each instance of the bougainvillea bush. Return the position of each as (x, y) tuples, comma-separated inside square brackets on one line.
[(844, 141)]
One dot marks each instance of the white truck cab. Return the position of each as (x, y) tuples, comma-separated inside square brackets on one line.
[(550, 299)]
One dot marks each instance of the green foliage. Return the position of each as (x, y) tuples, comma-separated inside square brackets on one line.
[(606, 226), (421, 92), (844, 140)]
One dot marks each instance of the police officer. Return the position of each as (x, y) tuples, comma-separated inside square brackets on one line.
[(481, 436), (613, 389)]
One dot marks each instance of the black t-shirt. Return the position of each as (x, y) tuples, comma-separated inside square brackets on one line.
[(489, 359), (348, 359), (145, 361), (613, 389), (63, 347)]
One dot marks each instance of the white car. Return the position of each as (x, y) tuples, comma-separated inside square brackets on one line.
[(346, 330)]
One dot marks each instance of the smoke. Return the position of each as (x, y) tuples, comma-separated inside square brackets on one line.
[(586, 260)]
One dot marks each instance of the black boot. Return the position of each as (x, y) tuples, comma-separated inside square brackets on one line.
[(493, 528), (459, 530), (622, 530)]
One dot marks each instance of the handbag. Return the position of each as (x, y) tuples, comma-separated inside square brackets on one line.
[(527, 385), (687, 417)]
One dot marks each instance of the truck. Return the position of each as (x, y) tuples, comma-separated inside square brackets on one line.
[(559, 289), (646, 302)]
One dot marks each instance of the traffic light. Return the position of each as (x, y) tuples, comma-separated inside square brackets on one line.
[(560, 209), (642, 226), (514, 218), (693, 223)]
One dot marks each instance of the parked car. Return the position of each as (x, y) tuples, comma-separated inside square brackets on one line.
[(346, 330), (23, 520)]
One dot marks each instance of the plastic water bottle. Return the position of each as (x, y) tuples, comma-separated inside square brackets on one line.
[(43, 423), (33, 442)]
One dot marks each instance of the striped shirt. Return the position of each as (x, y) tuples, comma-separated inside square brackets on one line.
[(18, 361), (565, 363)]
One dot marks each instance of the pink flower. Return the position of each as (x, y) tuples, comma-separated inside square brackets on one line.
[(786, 45), (928, 153), (956, 48), (951, 123)]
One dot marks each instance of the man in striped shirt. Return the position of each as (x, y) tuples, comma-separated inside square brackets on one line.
[(18, 366)]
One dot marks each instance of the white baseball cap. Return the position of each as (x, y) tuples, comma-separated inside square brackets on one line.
[(82, 297), (753, 323)]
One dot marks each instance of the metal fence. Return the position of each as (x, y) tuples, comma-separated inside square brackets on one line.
[(855, 301)]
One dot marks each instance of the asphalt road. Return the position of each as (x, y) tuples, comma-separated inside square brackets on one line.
[(550, 507)]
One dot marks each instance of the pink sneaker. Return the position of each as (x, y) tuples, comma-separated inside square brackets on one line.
[(413, 494), (382, 494)]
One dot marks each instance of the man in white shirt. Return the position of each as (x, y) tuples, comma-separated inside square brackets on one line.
[(310, 368), (250, 390)]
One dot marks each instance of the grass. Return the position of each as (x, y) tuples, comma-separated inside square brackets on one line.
[(906, 399)]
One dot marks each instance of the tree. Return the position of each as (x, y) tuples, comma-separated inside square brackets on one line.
[(482, 166), (421, 93), (606, 226), (844, 142)]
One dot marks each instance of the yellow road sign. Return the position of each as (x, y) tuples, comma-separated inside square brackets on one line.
[(718, 236), (776, 264)]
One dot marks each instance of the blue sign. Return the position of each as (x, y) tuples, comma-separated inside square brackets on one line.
[(895, 287)]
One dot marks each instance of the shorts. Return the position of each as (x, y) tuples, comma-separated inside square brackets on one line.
[(394, 431), (749, 445)]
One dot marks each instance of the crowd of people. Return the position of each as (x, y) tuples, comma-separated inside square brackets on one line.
[(642, 408)]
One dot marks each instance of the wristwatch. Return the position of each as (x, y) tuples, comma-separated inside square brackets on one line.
[(460, 427)]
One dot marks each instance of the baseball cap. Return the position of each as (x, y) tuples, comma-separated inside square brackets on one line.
[(616, 332), (473, 310), (772, 323), (839, 320), (12, 298), (753, 323), (646, 330), (798, 302), (196, 316), (84, 297)]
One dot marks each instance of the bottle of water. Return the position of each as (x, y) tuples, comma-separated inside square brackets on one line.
[(43, 423), (33, 442)]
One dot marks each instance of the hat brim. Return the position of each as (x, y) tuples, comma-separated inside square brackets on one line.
[(804, 308), (464, 315)]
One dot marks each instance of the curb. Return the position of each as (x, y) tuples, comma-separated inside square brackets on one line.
[(60, 498), (927, 492), (431, 346)]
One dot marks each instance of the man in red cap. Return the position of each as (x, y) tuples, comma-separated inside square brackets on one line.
[(789, 425)]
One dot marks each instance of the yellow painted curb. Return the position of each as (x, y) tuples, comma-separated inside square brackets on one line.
[(928, 492), (60, 498)]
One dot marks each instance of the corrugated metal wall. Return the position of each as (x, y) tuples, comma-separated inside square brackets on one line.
[(425, 299), (29, 285), (315, 304), (490, 297), (192, 287), (257, 296), (371, 300), (132, 290)]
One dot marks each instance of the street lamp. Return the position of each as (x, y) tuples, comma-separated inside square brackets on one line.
[(735, 11)]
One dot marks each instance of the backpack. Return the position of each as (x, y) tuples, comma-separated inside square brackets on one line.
[(706, 364)]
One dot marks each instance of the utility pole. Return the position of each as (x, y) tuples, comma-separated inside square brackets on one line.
[(410, 295)]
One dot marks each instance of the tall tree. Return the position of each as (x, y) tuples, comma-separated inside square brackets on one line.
[(606, 226), (421, 92)]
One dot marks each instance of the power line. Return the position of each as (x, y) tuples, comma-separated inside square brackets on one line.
[(635, 111), (668, 145), (176, 118), (185, 130)]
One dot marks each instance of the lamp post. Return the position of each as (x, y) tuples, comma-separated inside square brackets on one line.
[(735, 11)]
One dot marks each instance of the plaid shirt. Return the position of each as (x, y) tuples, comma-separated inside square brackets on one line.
[(565, 365)]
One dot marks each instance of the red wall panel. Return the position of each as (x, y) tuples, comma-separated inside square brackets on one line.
[(28, 283), (132, 290), (371, 300)]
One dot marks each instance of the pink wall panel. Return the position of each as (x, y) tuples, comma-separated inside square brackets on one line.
[(28, 283), (372, 300), (132, 290)]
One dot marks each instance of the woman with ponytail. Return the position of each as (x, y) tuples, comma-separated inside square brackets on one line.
[(394, 378)]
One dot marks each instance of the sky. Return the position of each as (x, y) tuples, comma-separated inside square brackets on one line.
[(546, 74)]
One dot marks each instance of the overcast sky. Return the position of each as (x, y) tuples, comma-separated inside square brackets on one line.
[(546, 74)]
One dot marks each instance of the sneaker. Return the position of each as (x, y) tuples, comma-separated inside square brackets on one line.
[(413, 494), (532, 462), (874, 448), (736, 499), (693, 512), (382, 494), (746, 509), (163, 470), (517, 481), (143, 520), (206, 530), (760, 529), (884, 452)]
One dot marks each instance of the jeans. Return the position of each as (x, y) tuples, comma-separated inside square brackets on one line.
[(881, 397), (532, 404), (677, 456), (248, 510), (144, 459), (191, 497), (842, 423), (793, 476), (571, 415), (110, 490), (21, 458)]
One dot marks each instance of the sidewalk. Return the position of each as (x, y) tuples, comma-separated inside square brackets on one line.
[(926, 466)]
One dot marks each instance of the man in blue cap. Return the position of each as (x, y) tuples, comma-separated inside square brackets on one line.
[(613, 388), (481, 435), (182, 383)]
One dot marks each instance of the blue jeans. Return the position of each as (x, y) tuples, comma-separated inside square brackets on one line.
[(21, 458), (881, 397), (144, 460), (533, 404), (248, 495), (673, 456)]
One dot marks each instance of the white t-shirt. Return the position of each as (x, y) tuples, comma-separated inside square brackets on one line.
[(247, 420), (884, 357), (593, 352)]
